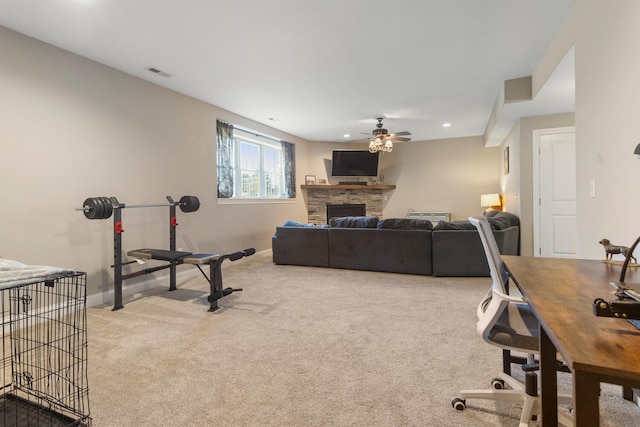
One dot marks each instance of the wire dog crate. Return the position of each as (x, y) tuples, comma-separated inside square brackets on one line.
[(43, 370)]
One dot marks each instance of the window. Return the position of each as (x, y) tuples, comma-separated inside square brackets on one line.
[(260, 174), (253, 166)]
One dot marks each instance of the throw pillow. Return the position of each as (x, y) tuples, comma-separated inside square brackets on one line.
[(292, 223), (513, 219), (491, 213), (455, 225), (499, 223), (354, 222), (405, 224)]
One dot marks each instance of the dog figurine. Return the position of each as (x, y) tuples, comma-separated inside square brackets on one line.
[(611, 250)]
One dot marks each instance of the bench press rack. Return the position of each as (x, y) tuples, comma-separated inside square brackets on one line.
[(102, 207)]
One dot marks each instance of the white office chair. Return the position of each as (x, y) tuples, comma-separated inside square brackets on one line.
[(506, 321)]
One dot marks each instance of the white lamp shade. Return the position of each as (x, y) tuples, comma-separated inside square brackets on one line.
[(489, 200)]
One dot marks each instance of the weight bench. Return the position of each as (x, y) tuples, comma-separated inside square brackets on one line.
[(104, 207), (179, 257)]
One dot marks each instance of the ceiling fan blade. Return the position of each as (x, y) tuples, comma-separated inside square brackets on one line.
[(400, 139), (402, 133)]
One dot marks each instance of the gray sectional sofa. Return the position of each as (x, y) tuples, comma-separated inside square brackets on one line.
[(396, 245)]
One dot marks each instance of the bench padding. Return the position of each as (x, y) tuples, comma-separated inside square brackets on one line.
[(164, 255), (200, 258), (159, 254)]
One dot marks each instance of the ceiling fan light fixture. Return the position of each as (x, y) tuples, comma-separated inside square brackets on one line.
[(376, 145), (382, 141)]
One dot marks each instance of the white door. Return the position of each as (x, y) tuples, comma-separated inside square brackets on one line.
[(556, 224)]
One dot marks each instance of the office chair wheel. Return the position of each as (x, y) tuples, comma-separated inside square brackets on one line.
[(497, 383), (458, 404)]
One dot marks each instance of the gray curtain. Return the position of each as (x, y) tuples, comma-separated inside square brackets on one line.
[(289, 151), (224, 143)]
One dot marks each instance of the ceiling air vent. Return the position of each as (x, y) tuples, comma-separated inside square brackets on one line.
[(158, 72)]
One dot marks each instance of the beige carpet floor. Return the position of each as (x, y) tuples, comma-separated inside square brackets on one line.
[(301, 346)]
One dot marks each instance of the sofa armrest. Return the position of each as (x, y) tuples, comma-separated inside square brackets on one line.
[(301, 246), (508, 240), (460, 252)]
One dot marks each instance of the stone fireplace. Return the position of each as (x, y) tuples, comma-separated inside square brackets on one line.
[(320, 197)]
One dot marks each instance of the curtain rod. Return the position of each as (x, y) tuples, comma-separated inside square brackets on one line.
[(254, 133)]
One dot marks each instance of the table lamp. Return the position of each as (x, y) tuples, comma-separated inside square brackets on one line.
[(491, 201)]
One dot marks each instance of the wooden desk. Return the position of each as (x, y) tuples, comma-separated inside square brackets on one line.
[(596, 349)]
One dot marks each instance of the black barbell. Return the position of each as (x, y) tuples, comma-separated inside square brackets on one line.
[(102, 207)]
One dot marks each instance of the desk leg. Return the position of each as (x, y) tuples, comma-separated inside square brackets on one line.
[(548, 380), (586, 392)]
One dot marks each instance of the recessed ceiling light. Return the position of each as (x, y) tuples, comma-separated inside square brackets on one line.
[(346, 135), (446, 125)]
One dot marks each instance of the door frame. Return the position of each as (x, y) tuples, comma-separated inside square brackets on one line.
[(537, 133)]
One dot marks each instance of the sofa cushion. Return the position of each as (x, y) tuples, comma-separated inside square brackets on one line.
[(405, 224), (354, 222), (455, 225)]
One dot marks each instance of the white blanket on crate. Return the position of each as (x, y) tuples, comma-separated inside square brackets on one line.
[(14, 273)]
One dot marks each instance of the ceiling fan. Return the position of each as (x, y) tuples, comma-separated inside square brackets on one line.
[(382, 140)]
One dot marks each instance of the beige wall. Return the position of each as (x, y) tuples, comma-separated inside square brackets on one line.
[(446, 175), (607, 51), (72, 129)]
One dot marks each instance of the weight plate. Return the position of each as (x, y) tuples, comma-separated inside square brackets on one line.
[(108, 207), (90, 206), (185, 204), (195, 203), (189, 204), (101, 209)]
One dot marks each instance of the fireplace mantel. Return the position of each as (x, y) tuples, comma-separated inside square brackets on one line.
[(347, 187)]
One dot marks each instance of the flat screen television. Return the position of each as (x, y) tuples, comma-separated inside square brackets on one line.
[(354, 163)]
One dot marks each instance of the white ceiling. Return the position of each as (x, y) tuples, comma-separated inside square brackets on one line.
[(319, 69)]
